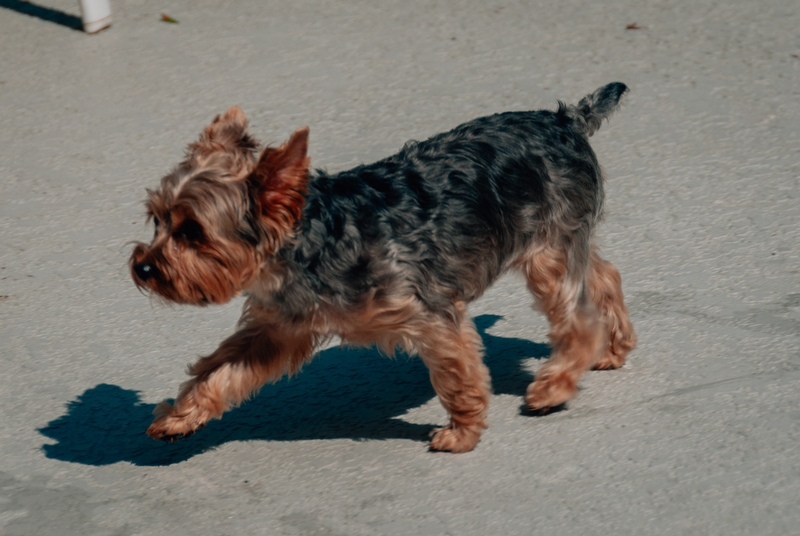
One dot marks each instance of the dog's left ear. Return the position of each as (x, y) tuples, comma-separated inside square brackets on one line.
[(281, 182), (224, 145), (227, 132)]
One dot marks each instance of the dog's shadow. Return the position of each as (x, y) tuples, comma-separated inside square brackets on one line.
[(343, 393)]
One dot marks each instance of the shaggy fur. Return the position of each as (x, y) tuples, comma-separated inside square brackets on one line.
[(390, 254)]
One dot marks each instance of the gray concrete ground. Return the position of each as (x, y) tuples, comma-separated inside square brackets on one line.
[(697, 434)]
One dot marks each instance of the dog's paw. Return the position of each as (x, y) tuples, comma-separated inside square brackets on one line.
[(549, 391), (455, 439), (609, 361), (171, 426)]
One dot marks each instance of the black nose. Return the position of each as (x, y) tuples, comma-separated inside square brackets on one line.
[(144, 270)]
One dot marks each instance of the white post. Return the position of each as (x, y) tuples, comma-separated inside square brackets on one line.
[(95, 14)]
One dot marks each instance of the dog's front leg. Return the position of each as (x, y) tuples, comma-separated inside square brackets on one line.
[(259, 352), (454, 356)]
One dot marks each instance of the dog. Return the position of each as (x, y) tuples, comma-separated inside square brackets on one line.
[(390, 254)]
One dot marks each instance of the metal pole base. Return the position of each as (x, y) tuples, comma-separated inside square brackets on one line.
[(95, 14)]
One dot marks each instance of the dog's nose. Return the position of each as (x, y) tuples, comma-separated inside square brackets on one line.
[(144, 270)]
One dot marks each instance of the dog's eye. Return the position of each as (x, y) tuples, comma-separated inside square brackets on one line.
[(156, 222), (189, 231)]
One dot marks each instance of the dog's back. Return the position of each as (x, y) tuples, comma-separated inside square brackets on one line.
[(448, 215)]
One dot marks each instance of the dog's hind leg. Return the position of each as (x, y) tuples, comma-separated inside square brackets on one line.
[(577, 331), (604, 287)]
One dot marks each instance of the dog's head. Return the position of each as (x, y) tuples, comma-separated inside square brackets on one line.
[(221, 213)]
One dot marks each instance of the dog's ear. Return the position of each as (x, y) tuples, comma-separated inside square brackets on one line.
[(227, 133), (280, 181)]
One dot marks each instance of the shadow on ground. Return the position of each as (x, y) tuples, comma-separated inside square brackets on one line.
[(45, 13), (343, 393)]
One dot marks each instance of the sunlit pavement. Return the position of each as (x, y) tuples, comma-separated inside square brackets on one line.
[(697, 434)]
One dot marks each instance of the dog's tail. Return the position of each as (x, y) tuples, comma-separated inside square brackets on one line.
[(589, 113)]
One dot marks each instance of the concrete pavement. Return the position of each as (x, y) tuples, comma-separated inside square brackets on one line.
[(697, 434)]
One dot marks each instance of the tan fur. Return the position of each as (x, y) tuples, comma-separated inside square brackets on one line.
[(224, 144), (577, 332), (282, 175), (261, 351), (604, 286), (591, 332), (225, 211)]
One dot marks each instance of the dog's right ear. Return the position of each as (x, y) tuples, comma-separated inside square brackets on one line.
[(280, 181), (226, 133)]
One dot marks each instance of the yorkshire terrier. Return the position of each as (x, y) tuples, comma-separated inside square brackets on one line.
[(389, 254)]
